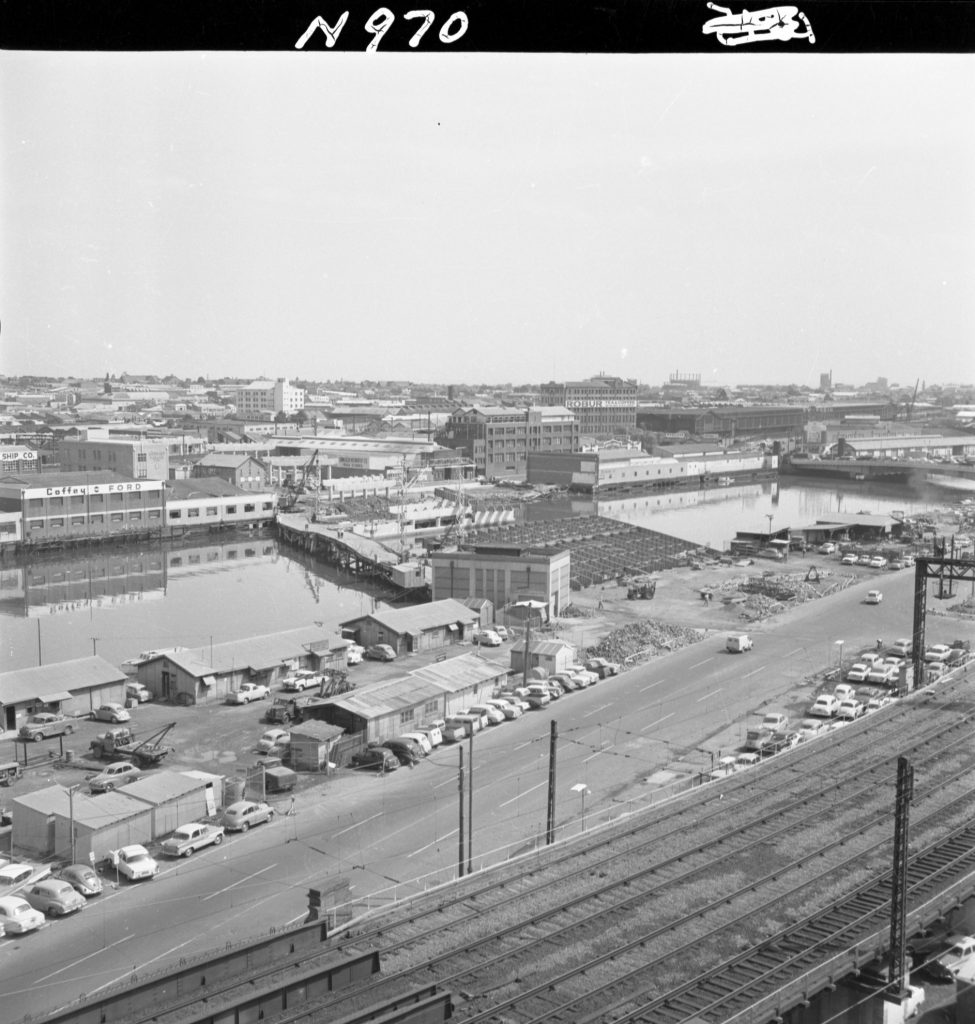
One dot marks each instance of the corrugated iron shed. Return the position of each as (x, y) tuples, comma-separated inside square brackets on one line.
[(162, 786), (419, 618), (48, 680), (257, 653)]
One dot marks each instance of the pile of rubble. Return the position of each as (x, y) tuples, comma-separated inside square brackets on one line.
[(645, 638)]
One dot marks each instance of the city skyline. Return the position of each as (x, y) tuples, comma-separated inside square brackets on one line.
[(489, 217)]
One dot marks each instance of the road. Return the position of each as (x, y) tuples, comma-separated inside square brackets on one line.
[(388, 836)]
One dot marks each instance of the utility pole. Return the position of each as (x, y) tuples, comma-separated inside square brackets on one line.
[(470, 807), (898, 900), (460, 830), (550, 822)]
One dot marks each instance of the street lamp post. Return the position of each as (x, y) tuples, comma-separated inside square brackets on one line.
[(839, 648), (769, 516)]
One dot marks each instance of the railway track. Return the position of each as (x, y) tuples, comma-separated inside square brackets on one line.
[(696, 908)]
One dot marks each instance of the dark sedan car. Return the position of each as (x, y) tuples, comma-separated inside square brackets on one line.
[(380, 758), (380, 652)]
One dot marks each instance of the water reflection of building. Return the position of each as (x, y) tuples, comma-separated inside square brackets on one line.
[(635, 509), (107, 579), (101, 579)]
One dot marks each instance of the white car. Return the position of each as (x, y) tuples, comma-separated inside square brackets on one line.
[(354, 653), (18, 916), (876, 703), (850, 709), (848, 560), (502, 632), (508, 709), (828, 548), (877, 562), (883, 674), (826, 706), (486, 638), (298, 682), (135, 863), (858, 672), (873, 597), (810, 728), (494, 716), (903, 647), (962, 952), (843, 692), (776, 721), (247, 693), (189, 838), (939, 652)]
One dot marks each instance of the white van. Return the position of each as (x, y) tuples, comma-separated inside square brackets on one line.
[(737, 643)]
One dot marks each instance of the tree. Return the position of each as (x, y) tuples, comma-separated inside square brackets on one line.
[(281, 417)]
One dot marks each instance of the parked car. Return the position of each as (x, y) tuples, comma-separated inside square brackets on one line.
[(747, 760), (849, 559), (960, 953), (825, 706), (873, 597), (405, 750), (486, 638), (566, 681), (603, 668), (538, 696), (189, 838), (883, 674), (810, 728), (864, 560), (776, 721), (380, 652), (878, 562), (471, 724), (784, 739), (932, 971), (137, 692), (422, 739), (518, 698), (380, 758), (584, 676), (433, 733), (451, 732), (493, 715), (17, 916), (508, 709), (298, 682), (111, 712), (502, 632), (843, 692), (939, 652), (850, 709), (274, 742), (869, 658), (119, 773), (16, 875), (827, 549), (83, 877), (135, 863), (858, 672), (240, 816), (878, 702), (247, 692), (44, 725), (54, 897)]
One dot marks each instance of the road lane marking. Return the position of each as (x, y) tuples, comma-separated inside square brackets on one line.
[(650, 686), (602, 750), (527, 743), (755, 673), (365, 821), (798, 650), (246, 878), (524, 793), (658, 721), (441, 839), (67, 967), (713, 693), (700, 663), (595, 711)]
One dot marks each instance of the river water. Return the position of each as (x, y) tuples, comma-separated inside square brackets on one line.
[(122, 601)]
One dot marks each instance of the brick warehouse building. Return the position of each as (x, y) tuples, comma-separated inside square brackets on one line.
[(59, 507)]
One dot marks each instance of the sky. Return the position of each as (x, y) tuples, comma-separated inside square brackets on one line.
[(488, 218)]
